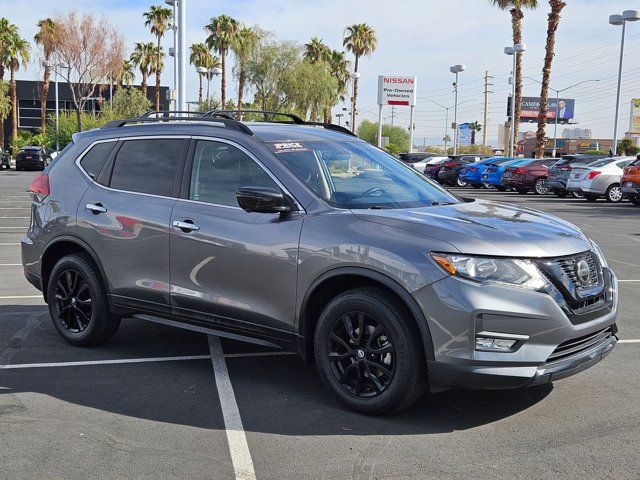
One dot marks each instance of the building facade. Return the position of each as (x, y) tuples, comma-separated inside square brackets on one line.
[(564, 146)]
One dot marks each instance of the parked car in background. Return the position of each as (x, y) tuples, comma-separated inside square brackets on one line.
[(433, 166), (492, 176), (531, 176), (599, 179), (5, 160), (559, 172), (472, 174), (32, 158), (630, 182), (417, 160), (449, 174)]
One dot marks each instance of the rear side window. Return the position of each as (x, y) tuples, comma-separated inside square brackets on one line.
[(96, 157), (148, 166)]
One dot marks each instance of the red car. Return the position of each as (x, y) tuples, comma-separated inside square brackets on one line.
[(531, 176)]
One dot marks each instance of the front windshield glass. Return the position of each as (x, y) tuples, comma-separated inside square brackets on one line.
[(358, 175)]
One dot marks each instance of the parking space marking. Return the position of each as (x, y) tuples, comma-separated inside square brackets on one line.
[(258, 354), (7, 244), (104, 362), (238, 447), (623, 263), (631, 340), (10, 264), (628, 281), (15, 297)]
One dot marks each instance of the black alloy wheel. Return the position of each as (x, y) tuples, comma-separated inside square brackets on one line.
[(362, 354), (73, 301)]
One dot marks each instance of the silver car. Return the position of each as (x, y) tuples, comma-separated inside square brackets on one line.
[(599, 179), (301, 236)]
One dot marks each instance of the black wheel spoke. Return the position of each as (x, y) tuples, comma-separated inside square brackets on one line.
[(74, 313), (360, 328), (346, 321), (375, 334), (383, 369), (340, 342), (388, 348), (61, 287), (375, 381)]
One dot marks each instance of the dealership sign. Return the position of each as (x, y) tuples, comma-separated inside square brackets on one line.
[(634, 123), (394, 90), (530, 107)]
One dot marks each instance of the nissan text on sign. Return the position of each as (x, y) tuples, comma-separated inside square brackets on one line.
[(396, 91)]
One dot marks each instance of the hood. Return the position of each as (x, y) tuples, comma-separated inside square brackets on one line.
[(487, 228)]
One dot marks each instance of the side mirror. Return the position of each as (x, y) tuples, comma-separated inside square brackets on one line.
[(263, 200)]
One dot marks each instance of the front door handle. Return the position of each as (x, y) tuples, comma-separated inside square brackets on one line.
[(186, 225), (96, 208)]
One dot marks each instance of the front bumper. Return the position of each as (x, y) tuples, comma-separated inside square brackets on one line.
[(458, 310), (631, 192)]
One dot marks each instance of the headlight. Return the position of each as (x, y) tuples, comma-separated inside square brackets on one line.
[(514, 272), (599, 254)]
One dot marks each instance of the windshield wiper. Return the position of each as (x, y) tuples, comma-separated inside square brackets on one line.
[(436, 203), (379, 207)]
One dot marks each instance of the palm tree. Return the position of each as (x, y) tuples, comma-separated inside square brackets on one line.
[(46, 38), (143, 58), (552, 27), (360, 39), (223, 31), (17, 50), (339, 66), (316, 51), (6, 30), (200, 57), (245, 43), (475, 127), (158, 18), (126, 75), (516, 8)]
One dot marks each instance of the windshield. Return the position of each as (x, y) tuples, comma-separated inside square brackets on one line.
[(358, 175)]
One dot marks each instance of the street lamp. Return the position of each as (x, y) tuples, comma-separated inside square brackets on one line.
[(456, 69), (446, 118), (55, 67), (617, 20), (555, 123), (209, 73), (174, 28), (518, 48), (355, 76)]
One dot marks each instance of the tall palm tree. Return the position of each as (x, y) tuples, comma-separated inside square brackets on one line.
[(475, 127), (46, 38), (200, 56), (222, 31), (126, 74), (516, 8), (316, 51), (245, 43), (6, 30), (340, 70), (360, 39), (143, 57), (158, 18), (552, 27), (18, 50)]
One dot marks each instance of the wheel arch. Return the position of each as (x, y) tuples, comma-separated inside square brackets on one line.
[(341, 279)]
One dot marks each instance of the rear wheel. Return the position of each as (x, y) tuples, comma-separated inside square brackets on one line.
[(590, 197), (459, 182), (613, 193), (368, 353), (635, 200), (540, 187), (78, 302)]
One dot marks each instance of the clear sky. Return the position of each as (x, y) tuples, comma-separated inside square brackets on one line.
[(416, 37)]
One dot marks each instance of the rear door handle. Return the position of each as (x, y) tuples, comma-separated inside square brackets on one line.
[(96, 208), (186, 225)]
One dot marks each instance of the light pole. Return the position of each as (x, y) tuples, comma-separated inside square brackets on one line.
[(174, 28), (617, 20), (446, 118), (181, 54), (557, 114), (209, 73), (55, 67), (355, 76), (514, 51), (456, 69)]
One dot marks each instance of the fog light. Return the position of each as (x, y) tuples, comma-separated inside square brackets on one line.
[(498, 344)]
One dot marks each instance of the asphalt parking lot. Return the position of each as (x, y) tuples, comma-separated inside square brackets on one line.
[(158, 402)]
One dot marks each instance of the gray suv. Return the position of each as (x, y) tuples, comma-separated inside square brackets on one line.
[(301, 236)]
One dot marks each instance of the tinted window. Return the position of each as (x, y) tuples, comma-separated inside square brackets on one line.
[(94, 159), (148, 166), (219, 169)]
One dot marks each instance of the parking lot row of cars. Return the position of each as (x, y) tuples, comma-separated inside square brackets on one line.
[(587, 176), (28, 158)]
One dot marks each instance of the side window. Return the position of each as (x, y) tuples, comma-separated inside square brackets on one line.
[(219, 169), (148, 166), (94, 159), (626, 163)]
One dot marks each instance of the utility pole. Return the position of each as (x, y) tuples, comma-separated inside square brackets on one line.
[(486, 105), (393, 113)]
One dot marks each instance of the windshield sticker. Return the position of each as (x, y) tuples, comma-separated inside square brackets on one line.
[(287, 147)]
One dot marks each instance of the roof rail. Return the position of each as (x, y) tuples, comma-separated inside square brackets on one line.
[(270, 114), (166, 113), (228, 122)]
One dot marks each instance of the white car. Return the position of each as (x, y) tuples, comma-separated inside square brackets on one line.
[(599, 179)]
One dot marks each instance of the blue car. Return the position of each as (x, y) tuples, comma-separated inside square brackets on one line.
[(472, 174), (492, 174)]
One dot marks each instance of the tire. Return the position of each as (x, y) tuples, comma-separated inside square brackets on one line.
[(459, 182), (577, 195), (635, 200), (501, 189), (540, 186), (613, 193), (561, 193), (476, 185), (590, 197), (522, 191), (75, 288), (403, 359)]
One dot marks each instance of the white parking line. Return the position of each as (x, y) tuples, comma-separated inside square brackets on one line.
[(103, 362), (15, 297), (617, 261), (623, 281), (10, 264), (238, 447), (7, 244), (631, 340)]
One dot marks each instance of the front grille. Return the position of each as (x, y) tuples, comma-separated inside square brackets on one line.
[(568, 265), (580, 344)]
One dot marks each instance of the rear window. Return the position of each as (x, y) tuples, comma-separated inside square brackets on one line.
[(148, 166), (93, 161)]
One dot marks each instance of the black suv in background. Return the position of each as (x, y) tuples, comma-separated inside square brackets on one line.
[(560, 172), (449, 173), (32, 158)]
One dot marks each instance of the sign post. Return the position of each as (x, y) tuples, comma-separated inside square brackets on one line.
[(399, 91)]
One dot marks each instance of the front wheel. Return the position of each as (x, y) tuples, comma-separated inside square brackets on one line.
[(368, 352), (78, 302), (613, 193), (540, 187)]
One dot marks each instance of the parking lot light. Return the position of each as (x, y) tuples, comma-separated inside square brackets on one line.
[(517, 48), (456, 69)]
